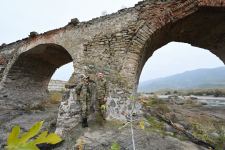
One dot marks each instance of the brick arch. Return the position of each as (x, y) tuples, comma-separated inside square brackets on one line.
[(211, 3), (31, 73), (199, 23), (120, 43)]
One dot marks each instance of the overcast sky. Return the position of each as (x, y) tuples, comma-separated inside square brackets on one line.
[(20, 17)]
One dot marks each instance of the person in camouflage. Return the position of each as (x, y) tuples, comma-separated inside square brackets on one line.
[(101, 94), (84, 98)]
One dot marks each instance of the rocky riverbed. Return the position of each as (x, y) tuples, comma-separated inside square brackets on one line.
[(96, 137), (156, 134), (25, 119), (206, 122)]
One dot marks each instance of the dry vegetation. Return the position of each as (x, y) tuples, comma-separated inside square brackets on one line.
[(203, 126), (55, 97)]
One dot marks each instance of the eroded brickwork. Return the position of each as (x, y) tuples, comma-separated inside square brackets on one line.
[(118, 45), (212, 3)]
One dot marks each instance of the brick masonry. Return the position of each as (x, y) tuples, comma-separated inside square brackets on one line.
[(118, 45)]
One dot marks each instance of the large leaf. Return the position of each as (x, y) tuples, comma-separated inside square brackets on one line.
[(13, 136), (53, 138), (26, 143), (32, 132), (27, 146), (41, 138)]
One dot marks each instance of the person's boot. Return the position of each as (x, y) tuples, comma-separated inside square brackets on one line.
[(84, 123)]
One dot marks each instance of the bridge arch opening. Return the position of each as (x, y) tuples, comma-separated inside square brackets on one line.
[(28, 78), (176, 59), (59, 74), (205, 28)]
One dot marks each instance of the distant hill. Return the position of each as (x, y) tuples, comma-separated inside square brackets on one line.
[(200, 78)]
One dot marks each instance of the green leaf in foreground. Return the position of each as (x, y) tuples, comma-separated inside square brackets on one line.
[(13, 136), (25, 141), (32, 132)]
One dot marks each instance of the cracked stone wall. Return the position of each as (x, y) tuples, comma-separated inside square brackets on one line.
[(18, 81), (118, 45)]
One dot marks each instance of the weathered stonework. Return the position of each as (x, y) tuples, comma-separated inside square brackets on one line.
[(68, 115), (118, 45), (69, 111)]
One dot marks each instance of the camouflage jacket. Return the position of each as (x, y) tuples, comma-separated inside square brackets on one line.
[(83, 91), (101, 88)]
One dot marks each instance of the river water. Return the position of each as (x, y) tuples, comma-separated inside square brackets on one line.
[(210, 101)]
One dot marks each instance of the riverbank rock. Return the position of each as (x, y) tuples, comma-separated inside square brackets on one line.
[(102, 137), (25, 119)]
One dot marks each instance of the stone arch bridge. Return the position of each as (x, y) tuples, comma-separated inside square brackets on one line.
[(118, 44)]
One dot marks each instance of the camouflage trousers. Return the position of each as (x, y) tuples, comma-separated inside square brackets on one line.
[(101, 107), (85, 108)]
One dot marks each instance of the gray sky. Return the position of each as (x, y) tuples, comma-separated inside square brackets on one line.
[(176, 58), (20, 17)]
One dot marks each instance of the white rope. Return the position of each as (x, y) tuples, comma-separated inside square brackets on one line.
[(131, 125), (132, 133)]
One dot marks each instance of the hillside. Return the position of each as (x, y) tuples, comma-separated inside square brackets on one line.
[(200, 78)]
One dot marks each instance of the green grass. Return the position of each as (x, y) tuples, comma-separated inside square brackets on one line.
[(155, 124)]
